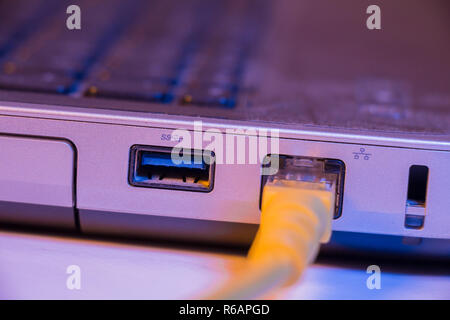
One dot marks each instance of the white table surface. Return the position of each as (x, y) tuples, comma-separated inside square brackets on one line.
[(33, 266)]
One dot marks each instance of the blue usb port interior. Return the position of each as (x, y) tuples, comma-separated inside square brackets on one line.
[(153, 167)]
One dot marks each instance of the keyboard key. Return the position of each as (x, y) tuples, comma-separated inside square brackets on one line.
[(47, 82), (210, 96), (152, 91)]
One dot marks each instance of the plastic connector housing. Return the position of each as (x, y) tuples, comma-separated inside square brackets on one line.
[(308, 182), (315, 173)]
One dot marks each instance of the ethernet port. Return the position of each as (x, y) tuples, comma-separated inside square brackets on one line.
[(332, 167)]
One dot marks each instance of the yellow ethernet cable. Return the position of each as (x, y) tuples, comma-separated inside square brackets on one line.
[(297, 208)]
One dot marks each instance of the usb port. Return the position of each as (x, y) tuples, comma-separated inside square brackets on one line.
[(154, 167)]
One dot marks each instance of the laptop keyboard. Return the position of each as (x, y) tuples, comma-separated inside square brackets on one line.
[(184, 52), (258, 60)]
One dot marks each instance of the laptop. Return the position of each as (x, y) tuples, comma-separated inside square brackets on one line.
[(95, 96)]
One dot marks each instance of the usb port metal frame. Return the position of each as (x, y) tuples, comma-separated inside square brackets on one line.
[(153, 167)]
